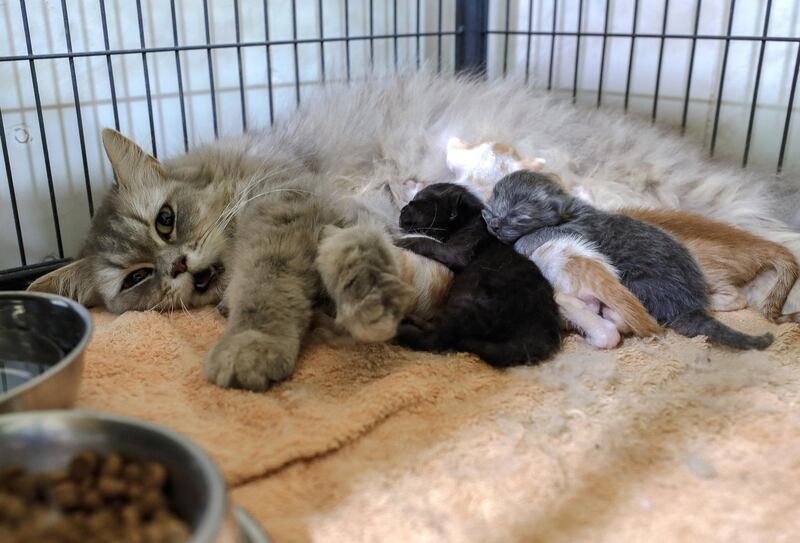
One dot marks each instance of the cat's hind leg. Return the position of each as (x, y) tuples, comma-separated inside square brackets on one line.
[(359, 269)]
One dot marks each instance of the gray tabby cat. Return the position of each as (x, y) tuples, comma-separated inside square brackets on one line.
[(249, 213), (529, 209)]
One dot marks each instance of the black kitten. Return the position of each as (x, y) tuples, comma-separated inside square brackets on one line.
[(499, 307)]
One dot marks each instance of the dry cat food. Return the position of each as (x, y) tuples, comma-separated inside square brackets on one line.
[(98, 498)]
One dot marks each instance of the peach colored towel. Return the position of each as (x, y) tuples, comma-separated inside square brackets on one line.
[(660, 440)]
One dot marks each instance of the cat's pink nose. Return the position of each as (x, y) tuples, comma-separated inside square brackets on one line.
[(179, 267)]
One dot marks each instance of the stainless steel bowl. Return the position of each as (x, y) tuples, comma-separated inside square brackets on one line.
[(47, 440), (42, 340)]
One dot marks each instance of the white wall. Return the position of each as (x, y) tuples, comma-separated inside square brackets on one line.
[(774, 89), (55, 84)]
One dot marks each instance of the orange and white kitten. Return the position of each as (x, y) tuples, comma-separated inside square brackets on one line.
[(731, 260), (587, 286)]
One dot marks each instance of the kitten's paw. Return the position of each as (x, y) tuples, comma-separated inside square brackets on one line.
[(603, 335), (407, 242), (249, 359)]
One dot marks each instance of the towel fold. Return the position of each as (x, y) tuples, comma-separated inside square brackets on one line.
[(661, 439)]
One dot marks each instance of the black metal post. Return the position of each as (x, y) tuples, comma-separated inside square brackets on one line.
[(472, 23)]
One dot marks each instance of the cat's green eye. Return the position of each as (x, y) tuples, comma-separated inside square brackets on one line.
[(136, 277), (165, 221)]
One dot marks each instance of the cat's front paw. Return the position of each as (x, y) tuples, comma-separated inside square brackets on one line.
[(372, 306), (249, 359), (361, 274)]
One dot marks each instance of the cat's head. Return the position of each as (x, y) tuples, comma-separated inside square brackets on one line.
[(523, 202), (156, 242), (439, 210)]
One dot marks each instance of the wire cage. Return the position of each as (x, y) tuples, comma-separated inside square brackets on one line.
[(178, 73)]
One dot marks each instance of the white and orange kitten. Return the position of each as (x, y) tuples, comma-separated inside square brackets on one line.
[(588, 292)]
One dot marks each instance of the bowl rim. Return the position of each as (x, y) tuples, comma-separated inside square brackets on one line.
[(214, 519), (68, 358)]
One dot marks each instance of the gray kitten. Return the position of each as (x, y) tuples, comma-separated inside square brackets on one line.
[(528, 209)]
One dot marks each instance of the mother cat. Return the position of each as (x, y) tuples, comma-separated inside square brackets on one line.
[(245, 216)]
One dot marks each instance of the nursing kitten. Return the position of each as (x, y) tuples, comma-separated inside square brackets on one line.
[(730, 259), (588, 292), (352, 141), (499, 305), (529, 209), (479, 166)]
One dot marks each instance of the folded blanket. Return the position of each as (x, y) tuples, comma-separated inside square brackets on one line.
[(661, 439)]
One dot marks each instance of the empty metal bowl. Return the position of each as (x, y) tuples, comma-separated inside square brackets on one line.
[(47, 440), (42, 340)]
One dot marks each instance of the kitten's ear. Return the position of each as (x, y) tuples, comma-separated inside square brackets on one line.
[(73, 281), (456, 206), (132, 165), (561, 206)]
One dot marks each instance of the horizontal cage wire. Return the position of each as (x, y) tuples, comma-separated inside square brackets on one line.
[(725, 71), (176, 74), (168, 75)]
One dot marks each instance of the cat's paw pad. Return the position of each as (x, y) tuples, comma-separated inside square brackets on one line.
[(372, 306), (249, 359)]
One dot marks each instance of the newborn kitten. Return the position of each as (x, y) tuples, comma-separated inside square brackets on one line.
[(479, 166), (499, 306), (588, 292), (730, 259), (529, 209)]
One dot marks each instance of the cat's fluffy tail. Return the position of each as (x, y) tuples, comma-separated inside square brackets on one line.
[(700, 323)]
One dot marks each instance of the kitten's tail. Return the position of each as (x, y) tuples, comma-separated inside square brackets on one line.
[(700, 323), (608, 290)]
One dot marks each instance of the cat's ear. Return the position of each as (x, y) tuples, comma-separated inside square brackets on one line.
[(74, 281), (132, 165)]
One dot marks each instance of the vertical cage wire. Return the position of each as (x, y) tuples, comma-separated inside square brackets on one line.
[(396, 33), (635, 27)]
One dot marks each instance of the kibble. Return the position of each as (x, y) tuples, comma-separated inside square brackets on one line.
[(98, 498)]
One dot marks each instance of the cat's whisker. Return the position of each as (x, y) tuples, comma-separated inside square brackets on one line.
[(186, 309)]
